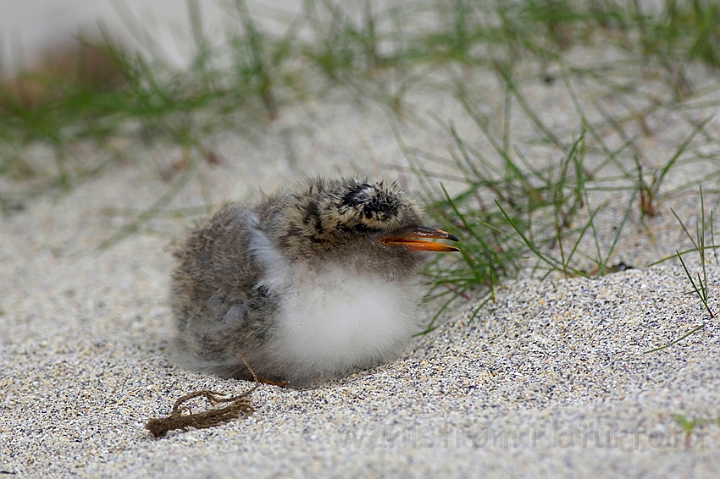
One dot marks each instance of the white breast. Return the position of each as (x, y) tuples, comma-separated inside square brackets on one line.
[(333, 320)]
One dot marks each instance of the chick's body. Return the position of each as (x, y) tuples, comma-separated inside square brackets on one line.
[(311, 284)]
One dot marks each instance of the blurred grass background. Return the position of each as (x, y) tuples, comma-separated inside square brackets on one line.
[(74, 115)]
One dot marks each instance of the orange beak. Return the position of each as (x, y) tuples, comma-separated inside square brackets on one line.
[(416, 240)]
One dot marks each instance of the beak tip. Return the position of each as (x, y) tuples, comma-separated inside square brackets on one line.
[(415, 240)]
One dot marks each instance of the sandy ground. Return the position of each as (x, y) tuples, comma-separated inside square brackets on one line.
[(551, 380)]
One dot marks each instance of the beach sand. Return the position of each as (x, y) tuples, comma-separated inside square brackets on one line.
[(549, 380)]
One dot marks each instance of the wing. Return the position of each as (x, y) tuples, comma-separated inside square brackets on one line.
[(219, 308)]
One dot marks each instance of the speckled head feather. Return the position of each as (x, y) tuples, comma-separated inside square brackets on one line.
[(322, 215)]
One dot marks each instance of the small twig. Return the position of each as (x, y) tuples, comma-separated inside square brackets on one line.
[(158, 427)]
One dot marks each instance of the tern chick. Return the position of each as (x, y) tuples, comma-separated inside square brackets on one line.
[(312, 283)]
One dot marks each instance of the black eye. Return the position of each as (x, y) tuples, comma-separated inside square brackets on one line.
[(361, 228)]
